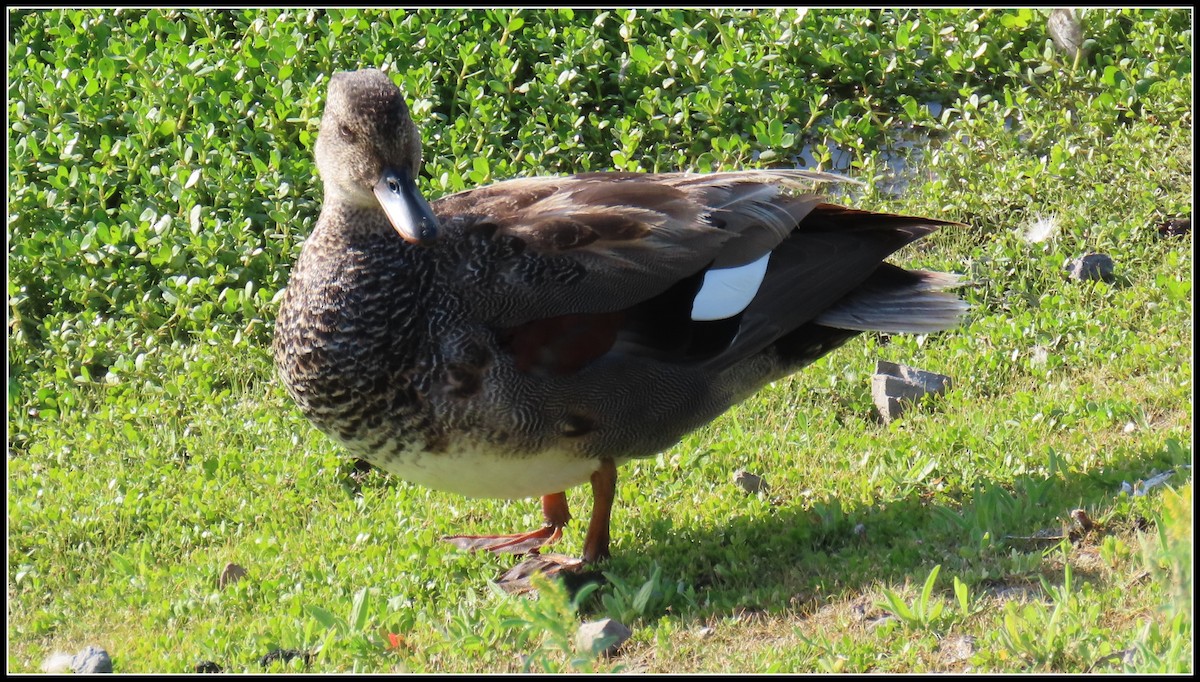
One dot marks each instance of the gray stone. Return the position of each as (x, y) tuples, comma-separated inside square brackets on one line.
[(751, 483), (606, 633), (92, 659), (1066, 32), (230, 575), (894, 387), (1178, 226), (1081, 518), (1091, 266)]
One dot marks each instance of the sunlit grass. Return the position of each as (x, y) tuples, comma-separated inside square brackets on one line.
[(151, 444)]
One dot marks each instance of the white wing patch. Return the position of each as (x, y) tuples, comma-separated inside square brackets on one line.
[(728, 291)]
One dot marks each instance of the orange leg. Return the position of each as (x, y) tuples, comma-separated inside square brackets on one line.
[(554, 510), (604, 492)]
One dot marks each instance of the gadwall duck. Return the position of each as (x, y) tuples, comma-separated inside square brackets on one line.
[(525, 337)]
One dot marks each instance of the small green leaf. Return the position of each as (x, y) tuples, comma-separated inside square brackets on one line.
[(963, 593), (107, 68), (927, 591), (642, 598), (122, 564), (897, 606), (324, 617), (359, 610)]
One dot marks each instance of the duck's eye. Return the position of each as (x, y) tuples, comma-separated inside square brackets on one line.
[(346, 132)]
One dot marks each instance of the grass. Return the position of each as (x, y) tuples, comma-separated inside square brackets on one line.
[(161, 184)]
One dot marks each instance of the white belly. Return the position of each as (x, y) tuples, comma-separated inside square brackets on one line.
[(476, 472)]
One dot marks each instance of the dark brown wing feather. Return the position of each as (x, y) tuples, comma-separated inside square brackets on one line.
[(603, 242), (834, 251)]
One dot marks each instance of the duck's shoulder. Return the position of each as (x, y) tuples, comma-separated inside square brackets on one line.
[(579, 243), (573, 212), (677, 198)]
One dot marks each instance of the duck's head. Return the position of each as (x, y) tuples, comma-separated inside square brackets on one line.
[(369, 152)]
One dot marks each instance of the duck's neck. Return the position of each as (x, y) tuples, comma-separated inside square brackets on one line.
[(352, 220), (354, 266)]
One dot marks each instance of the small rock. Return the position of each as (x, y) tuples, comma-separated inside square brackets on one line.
[(705, 632), (92, 660), (751, 483), (606, 633), (1085, 522), (894, 387), (860, 529), (1175, 227), (207, 667), (1066, 32), (1091, 266), (230, 575)]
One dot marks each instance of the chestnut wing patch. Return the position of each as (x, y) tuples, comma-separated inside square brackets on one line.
[(561, 345)]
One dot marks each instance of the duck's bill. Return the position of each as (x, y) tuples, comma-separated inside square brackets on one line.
[(405, 208)]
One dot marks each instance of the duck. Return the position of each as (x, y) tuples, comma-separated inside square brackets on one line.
[(521, 338)]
